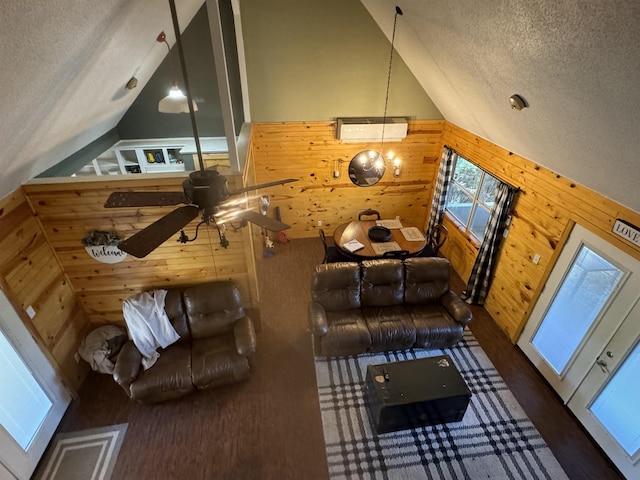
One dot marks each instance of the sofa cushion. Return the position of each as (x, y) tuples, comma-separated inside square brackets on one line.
[(336, 286), (382, 283), (216, 362), (168, 378), (174, 308), (348, 335), (212, 308), (435, 328), (426, 279), (390, 328)]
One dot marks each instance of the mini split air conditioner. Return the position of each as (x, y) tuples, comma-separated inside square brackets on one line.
[(370, 129)]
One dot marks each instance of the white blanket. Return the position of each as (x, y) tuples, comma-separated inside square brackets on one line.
[(149, 325)]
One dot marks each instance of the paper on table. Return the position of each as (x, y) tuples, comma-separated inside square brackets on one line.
[(412, 234), (380, 248), (389, 223), (353, 245)]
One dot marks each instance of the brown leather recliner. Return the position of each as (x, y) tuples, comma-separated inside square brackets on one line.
[(384, 305), (217, 342)]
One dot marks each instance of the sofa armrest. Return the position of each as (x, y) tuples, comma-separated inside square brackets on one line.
[(245, 335), (456, 307), (318, 319), (127, 366)]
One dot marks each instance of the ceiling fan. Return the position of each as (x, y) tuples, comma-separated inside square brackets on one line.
[(204, 192)]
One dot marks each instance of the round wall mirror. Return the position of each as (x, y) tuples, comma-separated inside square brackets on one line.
[(366, 168)]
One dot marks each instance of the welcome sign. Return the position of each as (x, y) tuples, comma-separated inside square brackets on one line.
[(106, 253), (103, 246), (627, 231)]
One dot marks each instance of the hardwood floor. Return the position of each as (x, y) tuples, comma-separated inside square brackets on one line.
[(269, 427)]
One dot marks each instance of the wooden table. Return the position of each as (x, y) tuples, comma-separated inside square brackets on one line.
[(359, 230)]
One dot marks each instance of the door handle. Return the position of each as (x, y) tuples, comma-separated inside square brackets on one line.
[(603, 365)]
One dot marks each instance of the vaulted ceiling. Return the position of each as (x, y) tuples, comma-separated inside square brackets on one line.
[(577, 63)]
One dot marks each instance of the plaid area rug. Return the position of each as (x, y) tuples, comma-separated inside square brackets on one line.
[(495, 439)]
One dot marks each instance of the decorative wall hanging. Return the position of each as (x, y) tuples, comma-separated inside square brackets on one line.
[(627, 231), (103, 246)]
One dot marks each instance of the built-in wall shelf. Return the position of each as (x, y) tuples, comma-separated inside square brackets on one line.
[(157, 156)]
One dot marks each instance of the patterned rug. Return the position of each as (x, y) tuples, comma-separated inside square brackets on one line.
[(495, 439), (83, 455)]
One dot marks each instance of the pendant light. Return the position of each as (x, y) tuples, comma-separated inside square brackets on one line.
[(176, 101), (367, 167), (191, 105), (389, 155)]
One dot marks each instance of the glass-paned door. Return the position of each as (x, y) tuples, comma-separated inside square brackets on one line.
[(25, 405), (32, 397), (616, 407), (588, 293), (607, 400), (588, 285)]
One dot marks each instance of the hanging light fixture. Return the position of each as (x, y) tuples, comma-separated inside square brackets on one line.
[(367, 167), (176, 101), (395, 161)]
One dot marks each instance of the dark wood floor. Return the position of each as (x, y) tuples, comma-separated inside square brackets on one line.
[(269, 427)]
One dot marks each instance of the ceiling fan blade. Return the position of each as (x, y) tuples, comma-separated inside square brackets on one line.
[(144, 199), (263, 221), (263, 185), (147, 240)]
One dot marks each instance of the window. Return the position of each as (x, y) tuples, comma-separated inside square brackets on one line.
[(471, 196)]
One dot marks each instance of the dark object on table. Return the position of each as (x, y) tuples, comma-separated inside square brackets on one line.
[(378, 233), (415, 393), (369, 212)]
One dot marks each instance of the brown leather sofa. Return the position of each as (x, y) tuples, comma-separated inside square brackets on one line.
[(216, 345), (384, 305)]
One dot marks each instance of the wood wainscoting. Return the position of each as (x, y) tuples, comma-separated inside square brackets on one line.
[(32, 278), (544, 211), (69, 211), (310, 152)]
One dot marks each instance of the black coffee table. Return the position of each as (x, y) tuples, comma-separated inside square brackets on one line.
[(415, 393)]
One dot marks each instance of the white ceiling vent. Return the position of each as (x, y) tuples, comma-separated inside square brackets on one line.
[(370, 129)]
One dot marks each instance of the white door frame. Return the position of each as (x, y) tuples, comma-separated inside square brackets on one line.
[(612, 356), (614, 311), (20, 463)]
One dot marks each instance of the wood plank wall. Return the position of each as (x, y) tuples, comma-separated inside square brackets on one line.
[(31, 276), (308, 151), (545, 210), (68, 211), (43, 262)]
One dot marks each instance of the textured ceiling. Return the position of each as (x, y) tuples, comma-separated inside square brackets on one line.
[(65, 64), (577, 63)]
